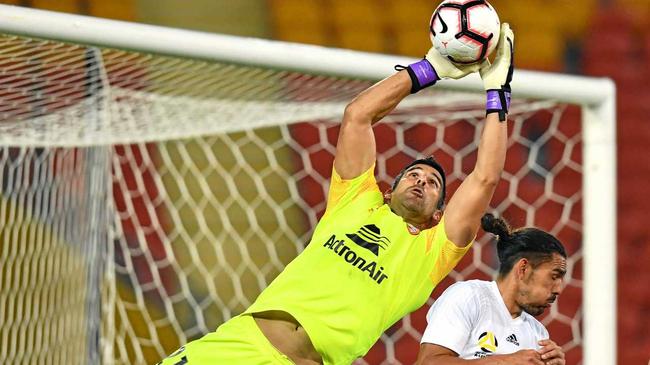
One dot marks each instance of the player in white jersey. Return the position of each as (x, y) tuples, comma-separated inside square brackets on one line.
[(493, 321)]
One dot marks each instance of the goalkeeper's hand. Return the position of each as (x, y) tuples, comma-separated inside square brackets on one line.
[(497, 76), (434, 67), (450, 70)]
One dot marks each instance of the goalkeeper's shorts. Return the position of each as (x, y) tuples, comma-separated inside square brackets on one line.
[(238, 341)]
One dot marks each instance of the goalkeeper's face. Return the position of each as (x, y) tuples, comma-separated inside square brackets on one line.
[(417, 193), (540, 285)]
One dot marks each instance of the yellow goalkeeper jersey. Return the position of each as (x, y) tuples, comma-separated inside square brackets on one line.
[(363, 270)]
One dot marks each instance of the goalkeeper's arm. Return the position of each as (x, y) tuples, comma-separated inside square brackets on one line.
[(355, 150), (467, 206)]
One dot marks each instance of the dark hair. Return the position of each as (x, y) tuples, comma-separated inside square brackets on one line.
[(512, 245), (429, 161)]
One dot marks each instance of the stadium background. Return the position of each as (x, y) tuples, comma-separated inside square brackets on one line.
[(587, 37)]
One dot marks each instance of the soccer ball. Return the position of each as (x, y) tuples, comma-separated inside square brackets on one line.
[(465, 31)]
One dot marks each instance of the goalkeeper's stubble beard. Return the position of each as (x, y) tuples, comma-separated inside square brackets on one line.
[(416, 208)]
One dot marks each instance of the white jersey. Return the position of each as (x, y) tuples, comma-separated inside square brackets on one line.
[(471, 319)]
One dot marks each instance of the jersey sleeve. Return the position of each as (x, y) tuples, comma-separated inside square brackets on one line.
[(343, 192), (540, 331), (543, 333), (449, 254), (452, 317)]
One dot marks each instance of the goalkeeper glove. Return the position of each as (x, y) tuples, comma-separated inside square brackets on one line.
[(497, 76), (434, 67)]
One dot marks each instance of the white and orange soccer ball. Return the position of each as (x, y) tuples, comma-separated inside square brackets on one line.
[(465, 31)]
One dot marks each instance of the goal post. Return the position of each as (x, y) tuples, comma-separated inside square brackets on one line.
[(235, 90)]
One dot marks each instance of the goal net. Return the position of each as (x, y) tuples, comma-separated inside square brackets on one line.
[(146, 199)]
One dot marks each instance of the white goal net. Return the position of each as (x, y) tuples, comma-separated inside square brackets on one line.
[(146, 199)]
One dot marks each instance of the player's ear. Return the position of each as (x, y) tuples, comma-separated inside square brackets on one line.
[(388, 194), (437, 216), (521, 267)]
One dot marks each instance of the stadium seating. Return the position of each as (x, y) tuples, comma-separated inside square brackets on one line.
[(303, 21), (114, 9), (639, 12), (359, 24), (66, 6), (408, 26)]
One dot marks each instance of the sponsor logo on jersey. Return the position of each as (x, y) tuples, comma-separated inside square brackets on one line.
[(338, 246), (370, 238), (512, 339), (488, 343)]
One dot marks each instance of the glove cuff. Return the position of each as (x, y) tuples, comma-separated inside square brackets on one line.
[(498, 101), (422, 75)]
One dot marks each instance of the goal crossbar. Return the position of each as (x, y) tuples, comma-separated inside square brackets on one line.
[(596, 97), (273, 54)]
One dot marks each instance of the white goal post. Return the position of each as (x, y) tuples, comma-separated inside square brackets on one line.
[(595, 96)]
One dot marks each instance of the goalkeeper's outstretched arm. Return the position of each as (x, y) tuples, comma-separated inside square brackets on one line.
[(470, 201), (356, 149)]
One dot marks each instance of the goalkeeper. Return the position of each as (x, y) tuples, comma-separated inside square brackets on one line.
[(373, 257)]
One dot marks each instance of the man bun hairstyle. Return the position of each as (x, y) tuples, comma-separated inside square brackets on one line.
[(429, 161), (532, 244)]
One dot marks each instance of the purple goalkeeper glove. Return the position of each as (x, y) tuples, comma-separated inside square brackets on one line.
[(434, 67), (497, 76)]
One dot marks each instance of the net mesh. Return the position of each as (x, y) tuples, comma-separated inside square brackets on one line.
[(146, 199)]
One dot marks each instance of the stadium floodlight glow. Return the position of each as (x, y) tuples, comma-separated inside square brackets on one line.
[(190, 92)]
